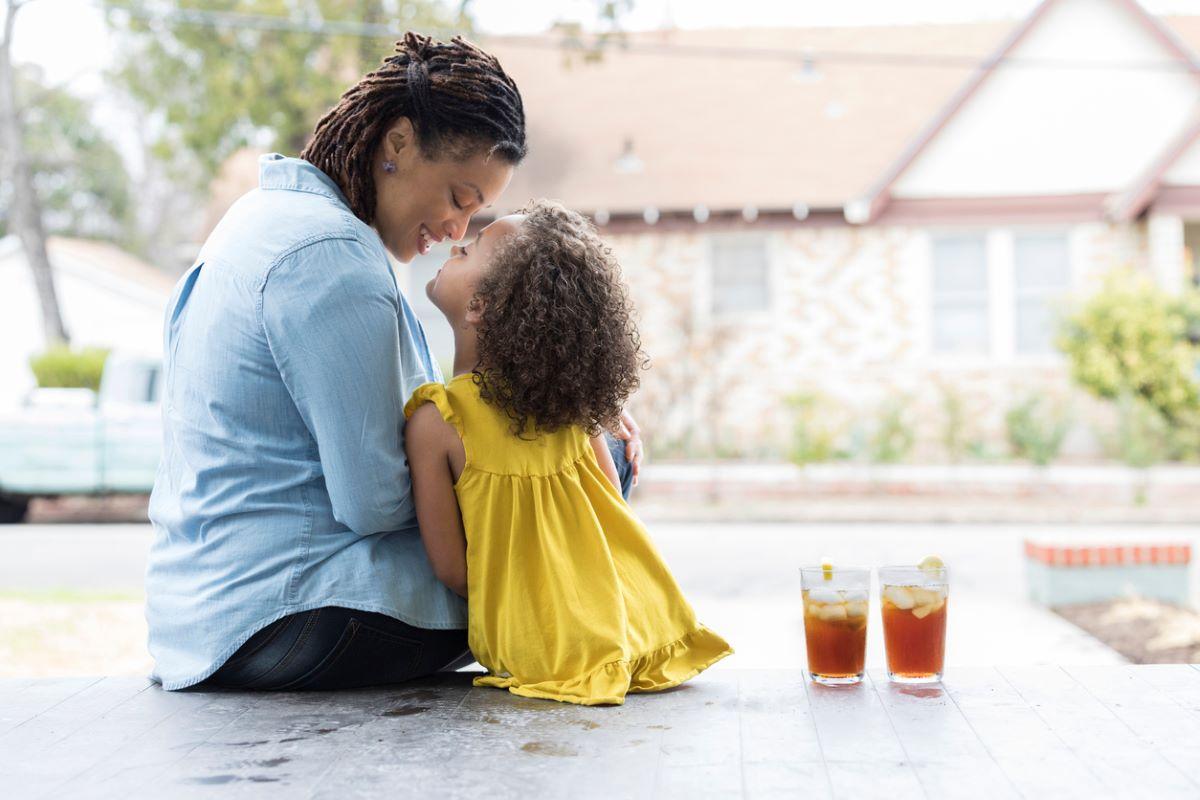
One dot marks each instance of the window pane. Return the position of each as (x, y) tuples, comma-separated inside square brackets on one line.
[(739, 275), (960, 328), (1042, 261), (960, 295), (1042, 274), (959, 264)]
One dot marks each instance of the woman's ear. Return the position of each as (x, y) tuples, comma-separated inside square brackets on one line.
[(400, 140), (475, 310)]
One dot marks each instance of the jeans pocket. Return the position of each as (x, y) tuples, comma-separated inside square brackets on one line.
[(364, 655)]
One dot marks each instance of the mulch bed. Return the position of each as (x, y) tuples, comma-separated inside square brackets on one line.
[(1143, 630)]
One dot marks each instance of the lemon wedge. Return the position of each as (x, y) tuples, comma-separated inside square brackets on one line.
[(827, 568), (931, 564)]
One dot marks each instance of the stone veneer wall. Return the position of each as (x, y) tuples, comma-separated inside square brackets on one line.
[(848, 321)]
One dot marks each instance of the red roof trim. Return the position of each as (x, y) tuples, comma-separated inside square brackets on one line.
[(1128, 204), (879, 195)]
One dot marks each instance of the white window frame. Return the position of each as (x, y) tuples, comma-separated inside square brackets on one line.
[(1000, 249), (709, 294)]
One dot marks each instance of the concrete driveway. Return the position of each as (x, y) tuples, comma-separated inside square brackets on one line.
[(742, 579)]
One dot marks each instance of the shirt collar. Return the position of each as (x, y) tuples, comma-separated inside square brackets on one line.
[(277, 171)]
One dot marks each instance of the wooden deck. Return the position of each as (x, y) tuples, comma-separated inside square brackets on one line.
[(1086, 732)]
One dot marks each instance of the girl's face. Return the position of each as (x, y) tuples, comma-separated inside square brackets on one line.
[(453, 287), (422, 201)]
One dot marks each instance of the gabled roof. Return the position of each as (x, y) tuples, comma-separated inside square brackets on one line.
[(727, 119), (869, 207)]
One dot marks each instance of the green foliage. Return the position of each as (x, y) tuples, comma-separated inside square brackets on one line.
[(1036, 430), (957, 434), (62, 367), (1142, 436), (80, 179), (894, 437), (1132, 337), (814, 432), (245, 72)]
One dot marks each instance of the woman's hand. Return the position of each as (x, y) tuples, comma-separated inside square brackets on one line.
[(629, 432)]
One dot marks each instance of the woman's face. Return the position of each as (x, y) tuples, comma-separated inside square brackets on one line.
[(424, 201), (454, 285)]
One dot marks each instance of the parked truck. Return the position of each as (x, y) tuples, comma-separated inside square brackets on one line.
[(83, 442)]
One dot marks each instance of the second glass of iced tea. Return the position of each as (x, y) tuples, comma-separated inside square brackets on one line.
[(835, 622), (913, 600)]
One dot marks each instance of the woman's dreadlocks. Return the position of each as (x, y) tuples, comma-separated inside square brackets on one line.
[(455, 95)]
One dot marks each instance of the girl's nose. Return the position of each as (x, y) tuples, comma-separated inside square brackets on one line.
[(456, 228)]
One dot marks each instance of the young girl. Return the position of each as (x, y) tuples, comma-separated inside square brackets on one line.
[(516, 490)]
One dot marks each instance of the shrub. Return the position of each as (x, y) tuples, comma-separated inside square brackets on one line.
[(1132, 337), (958, 434), (814, 430), (1036, 432), (894, 436), (1142, 436), (62, 367)]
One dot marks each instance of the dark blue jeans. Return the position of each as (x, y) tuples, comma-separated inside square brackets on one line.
[(341, 648)]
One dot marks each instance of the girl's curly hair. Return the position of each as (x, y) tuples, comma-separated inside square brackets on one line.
[(557, 341)]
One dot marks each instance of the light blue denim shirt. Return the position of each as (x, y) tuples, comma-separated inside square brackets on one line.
[(289, 354)]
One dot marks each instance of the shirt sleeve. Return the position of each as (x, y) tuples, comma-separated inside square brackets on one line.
[(330, 312)]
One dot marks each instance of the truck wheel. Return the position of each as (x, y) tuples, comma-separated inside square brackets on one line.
[(13, 509)]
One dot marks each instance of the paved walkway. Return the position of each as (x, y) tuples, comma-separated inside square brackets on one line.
[(742, 579)]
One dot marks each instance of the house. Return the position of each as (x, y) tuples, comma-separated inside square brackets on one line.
[(108, 298), (889, 220)]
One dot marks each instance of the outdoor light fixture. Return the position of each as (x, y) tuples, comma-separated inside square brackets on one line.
[(749, 213), (800, 211), (857, 211), (628, 163), (700, 213), (601, 216), (650, 215)]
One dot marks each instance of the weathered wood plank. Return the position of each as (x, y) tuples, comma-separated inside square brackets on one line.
[(36, 738), (143, 760), (1035, 759), (1158, 721), (1178, 681), (781, 753), (1119, 759), (863, 756), (96, 740), (286, 744), (947, 755), (25, 699)]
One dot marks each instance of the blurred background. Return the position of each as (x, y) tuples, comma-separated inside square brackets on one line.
[(914, 278)]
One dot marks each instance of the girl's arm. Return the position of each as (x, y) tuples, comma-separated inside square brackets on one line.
[(428, 440), (604, 458)]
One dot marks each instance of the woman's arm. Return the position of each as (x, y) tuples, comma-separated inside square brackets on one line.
[(605, 459), (428, 440)]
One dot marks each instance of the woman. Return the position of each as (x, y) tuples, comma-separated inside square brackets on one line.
[(286, 553)]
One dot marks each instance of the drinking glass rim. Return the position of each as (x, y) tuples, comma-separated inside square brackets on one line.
[(935, 571), (838, 570)]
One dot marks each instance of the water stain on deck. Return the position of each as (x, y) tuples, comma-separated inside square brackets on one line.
[(588, 725), (405, 711), (548, 749), (273, 762)]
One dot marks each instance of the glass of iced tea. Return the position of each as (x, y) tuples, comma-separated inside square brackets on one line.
[(913, 600), (835, 622)]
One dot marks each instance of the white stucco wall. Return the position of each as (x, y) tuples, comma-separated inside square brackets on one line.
[(1043, 128), (99, 309)]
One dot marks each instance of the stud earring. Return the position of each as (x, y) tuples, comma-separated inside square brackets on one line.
[(389, 166)]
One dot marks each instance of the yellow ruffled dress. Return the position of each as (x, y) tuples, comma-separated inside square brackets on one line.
[(568, 598)]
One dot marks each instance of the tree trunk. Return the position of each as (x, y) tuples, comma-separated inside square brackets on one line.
[(25, 215)]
